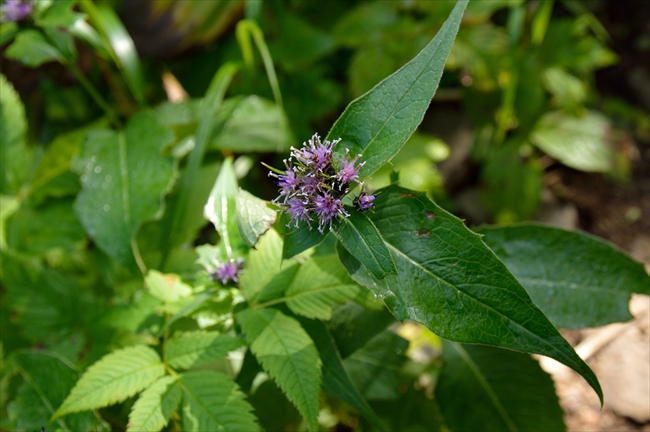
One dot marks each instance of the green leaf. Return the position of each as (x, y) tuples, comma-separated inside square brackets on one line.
[(198, 348), (578, 280), (289, 356), (352, 326), (15, 156), (440, 285), (375, 368), (213, 402), (155, 406), (122, 48), (318, 283), (255, 124), (577, 142), (30, 230), (57, 158), (361, 238), (262, 264), (114, 378), (221, 210), (167, 287), (254, 217), (335, 379), (377, 124), (32, 49), (512, 187), (60, 14), (49, 378), (298, 240), (124, 178), (508, 391)]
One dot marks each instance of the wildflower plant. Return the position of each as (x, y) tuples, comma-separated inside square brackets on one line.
[(173, 334), (314, 184)]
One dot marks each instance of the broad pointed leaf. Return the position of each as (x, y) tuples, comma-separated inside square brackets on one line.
[(361, 238), (289, 356), (490, 389), (124, 178), (377, 124), (199, 348), (213, 402), (254, 217), (318, 283), (155, 406), (114, 378), (577, 280), (451, 282)]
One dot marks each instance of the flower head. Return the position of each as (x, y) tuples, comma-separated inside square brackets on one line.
[(228, 271), (15, 10), (312, 187)]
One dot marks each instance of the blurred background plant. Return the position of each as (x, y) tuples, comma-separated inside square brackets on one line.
[(542, 114)]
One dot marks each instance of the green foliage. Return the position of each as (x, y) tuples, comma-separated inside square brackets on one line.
[(490, 382), (114, 378), (156, 405), (377, 124), (195, 349), (563, 270), (111, 270), (213, 402), (254, 217), (289, 356), (437, 285), (124, 177), (14, 153), (317, 284)]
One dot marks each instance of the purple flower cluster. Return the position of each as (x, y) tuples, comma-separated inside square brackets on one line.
[(228, 271), (312, 187), (15, 10)]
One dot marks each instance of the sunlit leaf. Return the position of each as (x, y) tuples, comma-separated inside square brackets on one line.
[(577, 280)]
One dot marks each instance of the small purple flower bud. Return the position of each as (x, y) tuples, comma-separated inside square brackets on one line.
[(364, 201), (298, 211), (327, 207), (15, 10), (348, 171), (228, 271)]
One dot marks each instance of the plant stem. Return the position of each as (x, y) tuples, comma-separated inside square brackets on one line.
[(90, 88)]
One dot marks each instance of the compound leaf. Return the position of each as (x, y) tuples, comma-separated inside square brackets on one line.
[(114, 378), (319, 282), (289, 356), (155, 406), (213, 402), (199, 348)]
